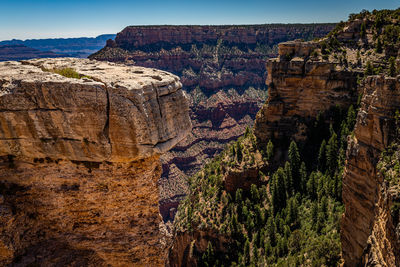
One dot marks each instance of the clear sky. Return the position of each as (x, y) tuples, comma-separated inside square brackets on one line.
[(25, 19)]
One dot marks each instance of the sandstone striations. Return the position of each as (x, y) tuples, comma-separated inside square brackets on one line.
[(368, 232), (300, 88), (223, 70), (80, 161)]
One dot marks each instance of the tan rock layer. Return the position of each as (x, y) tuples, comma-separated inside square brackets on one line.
[(101, 215), (300, 89), (43, 114), (366, 224), (79, 162)]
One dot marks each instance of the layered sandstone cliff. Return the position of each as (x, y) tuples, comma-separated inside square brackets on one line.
[(80, 161), (368, 231), (223, 70), (300, 88)]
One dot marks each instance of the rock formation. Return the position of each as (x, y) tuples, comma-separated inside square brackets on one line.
[(300, 88), (368, 234), (80, 161), (223, 70)]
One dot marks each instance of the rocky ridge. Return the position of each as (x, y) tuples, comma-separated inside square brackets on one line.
[(80, 161)]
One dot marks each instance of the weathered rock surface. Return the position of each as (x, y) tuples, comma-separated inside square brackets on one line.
[(300, 89), (80, 162), (368, 236)]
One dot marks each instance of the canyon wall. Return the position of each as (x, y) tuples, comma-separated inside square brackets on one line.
[(80, 161), (300, 88), (222, 68), (368, 232)]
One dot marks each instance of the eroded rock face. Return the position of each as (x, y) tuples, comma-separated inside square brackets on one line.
[(367, 230), (80, 161), (299, 89)]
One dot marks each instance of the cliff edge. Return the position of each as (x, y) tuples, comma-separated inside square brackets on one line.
[(79, 145)]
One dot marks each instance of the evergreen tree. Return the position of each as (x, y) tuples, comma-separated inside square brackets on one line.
[(294, 160), (239, 152), (255, 196), (363, 30), (247, 252), (208, 258), (369, 69), (303, 176), (292, 213), (312, 186), (322, 157), (271, 231), (378, 48), (351, 117), (279, 191), (288, 178), (332, 153), (247, 132), (314, 212), (392, 67)]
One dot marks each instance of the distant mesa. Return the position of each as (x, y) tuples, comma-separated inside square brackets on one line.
[(68, 47), (22, 52)]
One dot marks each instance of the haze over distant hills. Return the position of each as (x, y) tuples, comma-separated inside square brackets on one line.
[(74, 47)]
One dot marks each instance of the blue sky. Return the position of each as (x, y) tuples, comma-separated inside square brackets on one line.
[(76, 18)]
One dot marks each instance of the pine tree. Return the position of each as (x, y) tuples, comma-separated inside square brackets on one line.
[(378, 48), (362, 30), (392, 67), (351, 117), (288, 178), (303, 176), (247, 252), (279, 191), (238, 196), (292, 215), (312, 186), (322, 156), (314, 213), (271, 231), (369, 69), (208, 258), (239, 152), (332, 153), (247, 132), (294, 160), (255, 196)]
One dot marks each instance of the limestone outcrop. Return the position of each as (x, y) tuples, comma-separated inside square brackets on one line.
[(80, 161)]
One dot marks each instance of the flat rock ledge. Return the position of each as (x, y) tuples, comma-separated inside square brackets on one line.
[(111, 112)]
